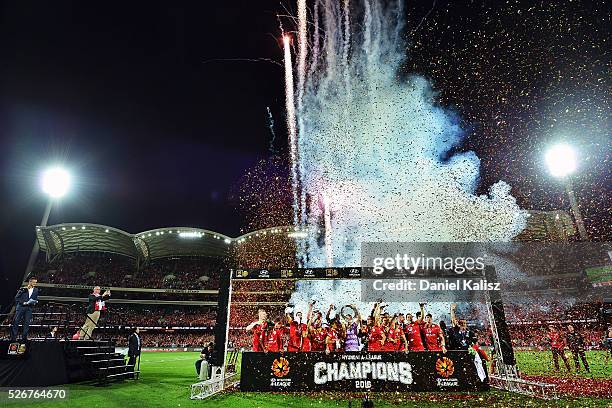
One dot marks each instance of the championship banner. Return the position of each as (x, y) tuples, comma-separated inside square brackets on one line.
[(361, 371)]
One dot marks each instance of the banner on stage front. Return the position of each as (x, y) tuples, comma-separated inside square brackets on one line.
[(362, 371)]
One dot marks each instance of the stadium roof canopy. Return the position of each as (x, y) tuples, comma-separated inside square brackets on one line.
[(158, 243), (153, 244)]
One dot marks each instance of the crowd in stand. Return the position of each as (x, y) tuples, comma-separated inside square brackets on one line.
[(149, 316), (277, 286), (548, 310), (83, 269), (106, 270), (263, 250), (151, 339), (535, 336)]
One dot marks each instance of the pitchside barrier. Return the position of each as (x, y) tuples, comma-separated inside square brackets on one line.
[(362, 371)]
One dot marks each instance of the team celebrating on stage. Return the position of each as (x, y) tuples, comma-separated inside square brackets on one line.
[(349, 331)]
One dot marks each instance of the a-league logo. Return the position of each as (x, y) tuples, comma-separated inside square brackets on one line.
[(445, 367), (280, 367)]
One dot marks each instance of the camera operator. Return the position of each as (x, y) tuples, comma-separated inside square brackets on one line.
[(206, 355)]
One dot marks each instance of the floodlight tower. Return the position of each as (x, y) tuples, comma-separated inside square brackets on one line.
[(561, 162), (55, 183)]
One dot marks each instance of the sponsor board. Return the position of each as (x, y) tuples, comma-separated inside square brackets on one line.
[(16, 349)]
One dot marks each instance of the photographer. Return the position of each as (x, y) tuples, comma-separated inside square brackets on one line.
[(25, 299), (206, 356)]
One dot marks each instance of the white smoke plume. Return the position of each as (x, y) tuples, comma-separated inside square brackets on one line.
[(377, 146)]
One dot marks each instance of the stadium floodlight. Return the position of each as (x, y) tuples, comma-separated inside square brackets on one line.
[(190, 234), (56, 182), (561, 160)]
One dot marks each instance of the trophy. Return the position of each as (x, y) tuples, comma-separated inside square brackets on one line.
[(344, 315)]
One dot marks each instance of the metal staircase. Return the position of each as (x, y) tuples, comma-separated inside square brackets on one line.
[(99, 361)]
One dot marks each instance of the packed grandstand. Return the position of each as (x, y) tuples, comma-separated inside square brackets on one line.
[(166, 282)]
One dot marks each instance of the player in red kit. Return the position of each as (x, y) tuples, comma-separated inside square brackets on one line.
[(274, 337), (434, 338), (332, 338), (394, 337), (413, 331), (259, 328), (557, 346), (317, 333), (376, 339), (298, 332), (306, 343), (307, 329), (295, 333), (318, 338)]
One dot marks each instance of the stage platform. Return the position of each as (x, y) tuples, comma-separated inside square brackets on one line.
[(53, 362)]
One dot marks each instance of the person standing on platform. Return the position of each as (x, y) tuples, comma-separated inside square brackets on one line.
[(25, 299), (96, 304), (134, 346)]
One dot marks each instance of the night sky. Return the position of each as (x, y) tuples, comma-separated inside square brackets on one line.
[(158, 109)]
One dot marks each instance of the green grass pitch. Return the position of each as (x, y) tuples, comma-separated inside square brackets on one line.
[(166, 377)]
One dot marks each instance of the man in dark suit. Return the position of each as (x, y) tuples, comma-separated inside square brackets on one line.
[(134, 346), (52, 335), (460, 336), (25, 300)]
